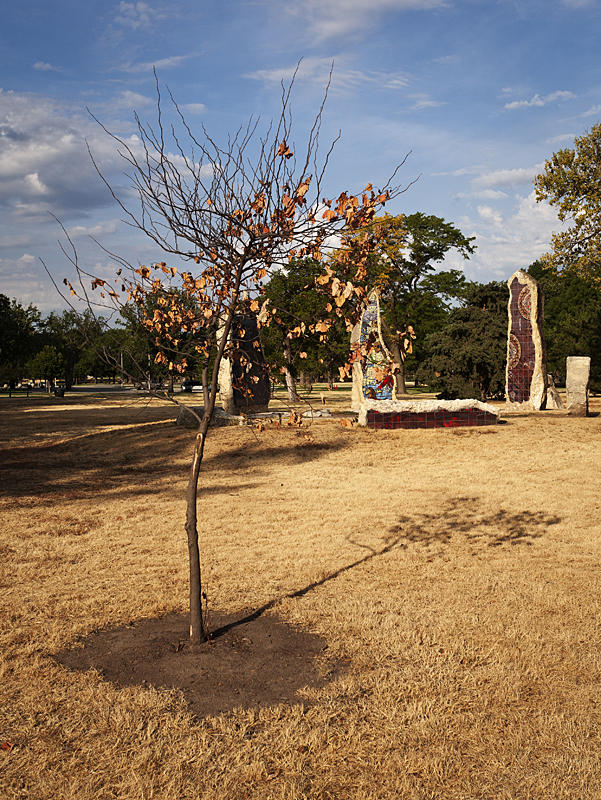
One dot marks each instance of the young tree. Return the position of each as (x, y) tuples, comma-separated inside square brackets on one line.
[(235, 212), (571, 181)]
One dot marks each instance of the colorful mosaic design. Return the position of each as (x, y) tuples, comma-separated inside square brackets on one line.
[(251, 385), (467, 417), (520, 347), (375, 386)]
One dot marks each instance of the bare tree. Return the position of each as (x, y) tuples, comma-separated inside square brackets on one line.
[(234, 213)]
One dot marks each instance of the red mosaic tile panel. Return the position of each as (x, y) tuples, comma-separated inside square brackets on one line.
[(442, 418), (520, 349)]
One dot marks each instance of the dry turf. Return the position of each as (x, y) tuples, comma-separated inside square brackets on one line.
[(396, 614)]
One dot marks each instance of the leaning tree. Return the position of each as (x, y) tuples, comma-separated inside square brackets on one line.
[(233, 213)]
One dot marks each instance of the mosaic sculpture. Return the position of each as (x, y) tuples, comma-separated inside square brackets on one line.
[(372, 376), (427, 414), (525, 377), (244, 385)]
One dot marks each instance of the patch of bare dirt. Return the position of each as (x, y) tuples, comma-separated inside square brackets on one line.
[(248, 663)]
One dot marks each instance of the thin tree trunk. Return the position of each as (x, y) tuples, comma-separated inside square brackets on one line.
[(290, 382), (205, 385), (401, 387), (198, 627)]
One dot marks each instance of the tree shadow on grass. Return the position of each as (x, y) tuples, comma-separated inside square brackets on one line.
[(257, 659), (461, 516), (142, 460)]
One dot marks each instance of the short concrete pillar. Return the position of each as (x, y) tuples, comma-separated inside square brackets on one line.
[(578, 369)]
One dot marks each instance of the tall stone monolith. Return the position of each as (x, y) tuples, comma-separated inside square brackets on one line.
[(525, 375), (578, 369), (244, 386), (372, 375)]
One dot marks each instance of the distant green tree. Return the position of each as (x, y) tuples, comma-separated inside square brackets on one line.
[(572, 319), (71, 333), (48, 364), (19, 338), (468, 355), (411, 293), (297, 304)]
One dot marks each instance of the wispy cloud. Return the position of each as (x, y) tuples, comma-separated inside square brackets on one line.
[(507, 177), (482, 194), (129, 99), (44, 66), (317, 70), (577, 3), (138, 15), (158, 64), (424, 101), (593, 111), (338, 18), (540, 100), (563, 137), (194, 108)]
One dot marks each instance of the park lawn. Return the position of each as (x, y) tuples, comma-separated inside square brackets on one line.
[(436, 597)]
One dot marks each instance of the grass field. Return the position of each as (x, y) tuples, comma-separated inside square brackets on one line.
[(429, 609)]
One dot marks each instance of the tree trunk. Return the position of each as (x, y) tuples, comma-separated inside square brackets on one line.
[(290, 382), (306, 382), (401, 387), (399, 363), (198, 627)]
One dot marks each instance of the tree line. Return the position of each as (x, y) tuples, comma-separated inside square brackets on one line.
[(456, 345)]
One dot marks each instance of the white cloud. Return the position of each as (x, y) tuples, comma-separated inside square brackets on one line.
[(129, 99), (507, 177), (44, 66), (483, 194), (593, 111), (159, 64), (317, 70), (490, 215), (35, 184), (577, 3), (424, 101), (538, 100), (194, 108), (138, 15), (338, 18), (563, 137), (512, 240)]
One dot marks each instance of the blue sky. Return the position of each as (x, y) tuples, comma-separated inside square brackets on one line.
[(480, 92)]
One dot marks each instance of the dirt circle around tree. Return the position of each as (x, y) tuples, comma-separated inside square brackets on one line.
[(249, 662)]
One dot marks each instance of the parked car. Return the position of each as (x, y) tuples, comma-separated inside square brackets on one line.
[(189, 385)]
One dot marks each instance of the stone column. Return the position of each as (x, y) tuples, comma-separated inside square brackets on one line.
[(578, 370), (244, 385), (526, 373)]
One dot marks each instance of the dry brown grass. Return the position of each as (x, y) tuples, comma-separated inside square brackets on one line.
[(456, 579)]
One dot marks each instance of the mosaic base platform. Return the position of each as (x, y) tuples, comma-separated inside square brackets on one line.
[(428, 414)]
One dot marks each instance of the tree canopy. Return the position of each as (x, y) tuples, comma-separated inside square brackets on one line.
[(571, 181)]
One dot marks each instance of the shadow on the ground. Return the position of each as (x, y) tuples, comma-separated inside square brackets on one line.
[(462, 516), (140, 460), (261, 661), (257, 659)]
